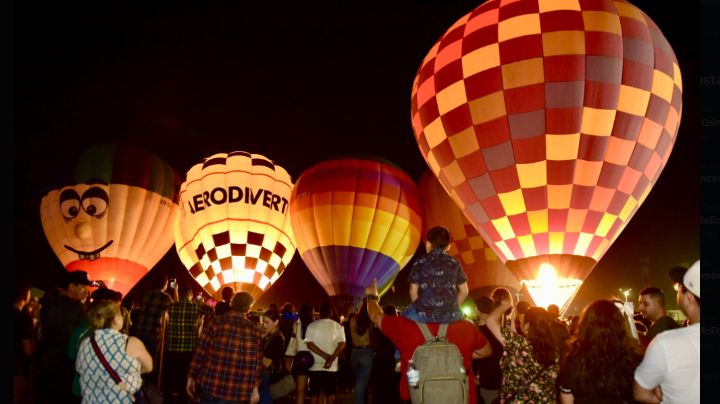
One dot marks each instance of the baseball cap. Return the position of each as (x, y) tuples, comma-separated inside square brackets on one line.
[(79, 278), (691, 279)]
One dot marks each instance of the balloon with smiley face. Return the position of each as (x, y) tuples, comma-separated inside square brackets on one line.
[(114, 217)]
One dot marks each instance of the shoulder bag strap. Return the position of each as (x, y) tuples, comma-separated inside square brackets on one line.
[(113, 374), (427, 335)]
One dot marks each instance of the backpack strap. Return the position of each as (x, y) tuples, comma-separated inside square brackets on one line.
[(427, 335)]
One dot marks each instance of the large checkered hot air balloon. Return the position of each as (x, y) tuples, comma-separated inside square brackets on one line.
[(484, 269), (234, 226), (354, 220), (548, 122), (113, 214)]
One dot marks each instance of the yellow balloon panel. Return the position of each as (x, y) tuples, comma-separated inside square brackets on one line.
[(234, 225)]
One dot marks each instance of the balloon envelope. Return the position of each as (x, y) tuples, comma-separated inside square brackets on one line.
[(482, 266), (113, 216), (234, 227), (548, 123), (355, 220)]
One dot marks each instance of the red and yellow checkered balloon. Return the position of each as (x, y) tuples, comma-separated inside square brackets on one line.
[(482, 266), (548, 122)]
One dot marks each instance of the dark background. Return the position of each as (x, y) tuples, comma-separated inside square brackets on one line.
[(298, 83)]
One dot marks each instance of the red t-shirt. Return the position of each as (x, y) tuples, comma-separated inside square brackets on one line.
[(406, 336)]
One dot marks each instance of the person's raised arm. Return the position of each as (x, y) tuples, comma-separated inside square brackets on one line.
[(494, 320), (373, 304)]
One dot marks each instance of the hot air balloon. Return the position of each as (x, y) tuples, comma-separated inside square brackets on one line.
[(113, 218), (355, 219), (234, 226), (548, 122), (482, 266)]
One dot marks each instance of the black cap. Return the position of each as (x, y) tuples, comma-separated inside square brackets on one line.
[(78, 278), (677, 273)]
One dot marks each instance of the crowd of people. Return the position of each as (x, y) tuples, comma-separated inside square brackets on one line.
[(74, 346)]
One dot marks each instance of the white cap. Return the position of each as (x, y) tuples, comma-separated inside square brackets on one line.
[(691, 279)]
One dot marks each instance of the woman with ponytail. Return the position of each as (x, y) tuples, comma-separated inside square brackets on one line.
[(125, 355), (531, 356)]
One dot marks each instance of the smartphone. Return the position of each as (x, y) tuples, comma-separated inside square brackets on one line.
[(173, 283)]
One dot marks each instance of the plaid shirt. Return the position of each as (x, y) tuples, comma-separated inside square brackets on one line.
[(153, 306), (182, 330), (227, 360)]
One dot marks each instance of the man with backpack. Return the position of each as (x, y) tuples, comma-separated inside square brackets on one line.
[(458, 386)]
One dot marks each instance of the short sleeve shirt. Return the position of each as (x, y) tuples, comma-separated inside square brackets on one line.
[(326, 334), (437, 275), (524, 378), (406, 336)]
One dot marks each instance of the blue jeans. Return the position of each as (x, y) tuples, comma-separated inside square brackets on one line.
[(265, 396), (361, 360), (411, 314)]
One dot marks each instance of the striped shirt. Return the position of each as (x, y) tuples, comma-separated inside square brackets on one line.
[(182, 330), (227, 360)]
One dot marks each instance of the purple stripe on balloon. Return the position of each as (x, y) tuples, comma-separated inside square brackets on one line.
[(349, 269)]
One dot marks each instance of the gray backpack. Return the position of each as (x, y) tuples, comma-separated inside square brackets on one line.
[(443, 379)]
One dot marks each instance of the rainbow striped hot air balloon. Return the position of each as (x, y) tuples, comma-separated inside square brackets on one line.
[(354, 220), (548, 122), (113, 218), (484, 269), (234, 227)]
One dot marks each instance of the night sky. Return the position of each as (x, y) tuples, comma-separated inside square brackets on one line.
[(298, 84)]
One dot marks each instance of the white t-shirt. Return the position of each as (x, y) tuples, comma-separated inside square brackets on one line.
[(297, 339), (326, 334), (672, 361)]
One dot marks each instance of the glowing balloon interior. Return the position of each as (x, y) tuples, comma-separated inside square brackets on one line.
[(548, 122), (355, 220), (484, 269), (234, 226), (114, 217)]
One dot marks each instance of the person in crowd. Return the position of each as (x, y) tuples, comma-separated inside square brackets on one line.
[(386, 364), (670, 370), (559, 327), (499, 295), (23, 345), (531, 360), (488, 369), (438, 283), (406, 335), (84, 329), (287, 320), (153, 306), (574, 321), (184, 319), (325, 338), (125, 355), (652, 307), (520, 308), (224, 305), (601, 359), (296, 346), (61, 310), (227, 362), (361, 351), (273, 352)]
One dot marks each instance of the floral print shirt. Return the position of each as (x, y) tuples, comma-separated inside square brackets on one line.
[(519, 370)]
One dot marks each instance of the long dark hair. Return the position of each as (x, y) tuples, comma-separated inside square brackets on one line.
[(362, 319), (545, 346), (605, 354), (306, 316)]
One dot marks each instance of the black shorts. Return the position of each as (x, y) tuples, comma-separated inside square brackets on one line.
[(296, 371), (320, 381)]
